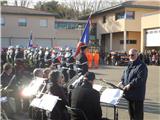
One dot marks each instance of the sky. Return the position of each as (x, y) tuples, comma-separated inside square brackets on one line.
[(33, 2)]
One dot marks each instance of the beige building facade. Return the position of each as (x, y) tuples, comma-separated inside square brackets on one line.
[(119, 27), (17, 23), (150, 31)]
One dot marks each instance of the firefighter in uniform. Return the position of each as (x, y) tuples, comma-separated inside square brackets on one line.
[(10, 55), (63, 65), (41, 58), (35, 58), (70, 63), (81, 61), (47, 57), (55, 60)]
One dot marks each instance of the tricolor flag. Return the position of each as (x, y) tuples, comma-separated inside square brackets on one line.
[(85, 37), (30, 44)]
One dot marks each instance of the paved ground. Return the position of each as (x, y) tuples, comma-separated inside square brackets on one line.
[(113, 74), (152, 102)]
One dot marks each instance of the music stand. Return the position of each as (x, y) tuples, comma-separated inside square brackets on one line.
[(112, 97), (46, 102), (97, 87)]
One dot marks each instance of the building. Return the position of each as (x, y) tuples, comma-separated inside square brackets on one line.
[(150, 31), (68, 32), (47, 31), (118, 28)]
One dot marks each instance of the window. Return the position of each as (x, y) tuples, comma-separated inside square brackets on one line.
[(2, 21), (22, 22), (133, 42), (43, 23), (104, 19), (119, 15), (69, 25), (130, 15), (121, 42), (129, 41)]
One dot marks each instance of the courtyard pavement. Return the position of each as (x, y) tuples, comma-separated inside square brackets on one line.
[(152, 102)]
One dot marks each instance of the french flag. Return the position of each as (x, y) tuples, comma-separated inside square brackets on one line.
[(30, 44), (85, 37)]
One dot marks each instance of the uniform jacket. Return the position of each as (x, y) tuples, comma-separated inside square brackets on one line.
[(136, 75), (59, 111), (88, 100), (83, 63)]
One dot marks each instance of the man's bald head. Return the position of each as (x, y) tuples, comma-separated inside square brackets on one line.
[(133, 55)]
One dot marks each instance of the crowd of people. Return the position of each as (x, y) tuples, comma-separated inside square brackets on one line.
[(150, 57), (59, 69)]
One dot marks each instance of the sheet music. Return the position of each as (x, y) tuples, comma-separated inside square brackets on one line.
[(111, 96), (46, 102), (97, 87), (35, 102), (3, 99)]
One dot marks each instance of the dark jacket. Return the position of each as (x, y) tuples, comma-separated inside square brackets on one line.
[(136, 75), (83, 63), (59, 111), (5, 78), (86, 99)]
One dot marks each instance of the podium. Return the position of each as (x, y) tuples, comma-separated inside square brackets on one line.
[(112, 97)]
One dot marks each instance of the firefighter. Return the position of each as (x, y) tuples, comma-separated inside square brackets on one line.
[(82, 62)]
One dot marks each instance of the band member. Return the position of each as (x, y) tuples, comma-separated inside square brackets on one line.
[(133, 83), (82, 62), (86, 99), (7, 83), (59, 111)]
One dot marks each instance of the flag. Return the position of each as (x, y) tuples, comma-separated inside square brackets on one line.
[(85, 37), (30, 44)]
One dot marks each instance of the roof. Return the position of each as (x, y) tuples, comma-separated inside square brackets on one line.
[(24, 11), (133, 4)]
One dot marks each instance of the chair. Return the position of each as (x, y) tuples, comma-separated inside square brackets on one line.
[(77, 111)]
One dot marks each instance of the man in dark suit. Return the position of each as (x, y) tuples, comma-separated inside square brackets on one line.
[(133, 83), (86, 99)]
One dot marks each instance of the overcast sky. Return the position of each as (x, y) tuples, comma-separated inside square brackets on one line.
[(33, 2)]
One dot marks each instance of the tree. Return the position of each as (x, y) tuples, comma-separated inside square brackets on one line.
[(22, 3), (4, 2), (73, 9)]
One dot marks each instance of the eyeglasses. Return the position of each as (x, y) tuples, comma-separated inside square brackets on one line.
[(131, 55)]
